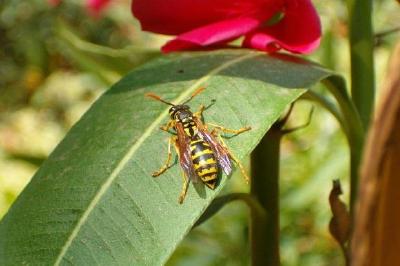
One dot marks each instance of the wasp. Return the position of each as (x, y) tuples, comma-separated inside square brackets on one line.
[(201, 152)]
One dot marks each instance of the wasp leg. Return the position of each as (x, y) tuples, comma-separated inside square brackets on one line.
[(167, 126), (234, 158), (166, 164), (199, 113), (184, 189), (228, 130), (185, 179)]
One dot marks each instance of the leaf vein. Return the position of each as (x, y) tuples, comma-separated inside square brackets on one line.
[(132, 150)]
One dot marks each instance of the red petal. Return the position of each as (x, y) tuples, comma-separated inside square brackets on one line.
[(54, 2), (96, 6), (174, 17), (299, 31), (212, 34)]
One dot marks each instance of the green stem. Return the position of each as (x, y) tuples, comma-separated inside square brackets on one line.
[(361, 55), (385, 33), (264, 233), (355, 131), (328, 105)]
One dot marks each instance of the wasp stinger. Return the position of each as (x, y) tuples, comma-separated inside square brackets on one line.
[(201, 153)]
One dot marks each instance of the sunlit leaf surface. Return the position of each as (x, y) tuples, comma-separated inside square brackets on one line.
[(94, 200)]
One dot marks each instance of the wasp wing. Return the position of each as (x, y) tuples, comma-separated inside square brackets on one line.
[(185, 157), (219, 150)]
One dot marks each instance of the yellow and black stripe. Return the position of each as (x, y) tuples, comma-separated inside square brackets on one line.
[(189, 126), (204, 162)]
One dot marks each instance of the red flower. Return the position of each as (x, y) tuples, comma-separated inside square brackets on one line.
[(96, 6), (205, 23), (54, 2)]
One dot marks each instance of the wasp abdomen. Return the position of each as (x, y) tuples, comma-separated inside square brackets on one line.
[(204, 162)]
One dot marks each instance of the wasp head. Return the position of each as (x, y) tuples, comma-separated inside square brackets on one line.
[(180, 112)]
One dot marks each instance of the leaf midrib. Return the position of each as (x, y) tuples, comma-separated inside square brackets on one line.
[(128, 155)]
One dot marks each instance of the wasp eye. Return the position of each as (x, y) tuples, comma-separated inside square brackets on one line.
[(172, 112)]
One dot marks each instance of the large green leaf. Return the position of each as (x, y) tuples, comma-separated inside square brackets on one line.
[(94, 200)]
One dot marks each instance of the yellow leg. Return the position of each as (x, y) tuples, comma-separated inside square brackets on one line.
[(167, 126), (184, 189), (228, 130), (165, 167), (166, 164), (199, 113), (234, 158), (185, 179)]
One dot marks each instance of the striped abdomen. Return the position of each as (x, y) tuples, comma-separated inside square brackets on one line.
[(204, 162)]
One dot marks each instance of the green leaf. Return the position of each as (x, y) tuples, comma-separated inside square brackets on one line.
[(93, 201), (105, 62)]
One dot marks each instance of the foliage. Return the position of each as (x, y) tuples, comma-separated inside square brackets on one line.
[(97, 182), (55, 61)]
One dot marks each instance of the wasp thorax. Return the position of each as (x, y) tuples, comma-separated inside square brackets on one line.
[(180, 112)]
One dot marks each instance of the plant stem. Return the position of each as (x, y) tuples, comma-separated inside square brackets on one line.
[(361, 54), (264, 233), (362, 81), (355, 131), (329, 106)]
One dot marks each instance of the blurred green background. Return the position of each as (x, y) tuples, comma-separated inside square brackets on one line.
[(55, 60)]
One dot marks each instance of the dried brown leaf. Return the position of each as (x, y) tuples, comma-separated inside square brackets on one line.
[(376, 237), (339, 225)]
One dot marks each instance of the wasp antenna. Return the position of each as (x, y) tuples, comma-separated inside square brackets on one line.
[(198, 91), (156, 97), (195, 93)]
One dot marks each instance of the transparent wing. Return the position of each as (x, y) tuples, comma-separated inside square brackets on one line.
[(185, 157), (220, 151)]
